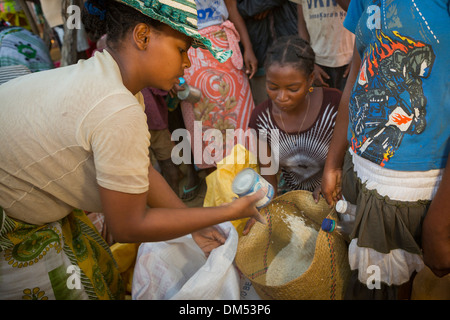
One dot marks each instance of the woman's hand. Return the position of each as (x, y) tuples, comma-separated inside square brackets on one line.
[(245, 207), (316, 194), (208, 239), (320, 76), (173, 92), (256, 217), (248, 226), (251, 63), (331, 187)]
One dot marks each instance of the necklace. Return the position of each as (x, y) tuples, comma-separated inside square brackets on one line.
[(304, 118)]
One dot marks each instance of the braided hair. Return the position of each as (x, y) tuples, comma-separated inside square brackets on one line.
[(291, 50), (113, 19)]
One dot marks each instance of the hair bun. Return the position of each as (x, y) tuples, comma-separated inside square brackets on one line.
[(94, 17), (96, 9)]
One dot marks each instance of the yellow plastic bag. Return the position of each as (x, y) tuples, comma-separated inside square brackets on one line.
[(219, 182), (125, 255)]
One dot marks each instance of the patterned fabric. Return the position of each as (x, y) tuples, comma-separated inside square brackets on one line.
[(62, 260), (211, 13), (21, 47), (180, 15), (399, 105), (398, 133), (302, 155), (12, 72), (13, 14), (226, 101)]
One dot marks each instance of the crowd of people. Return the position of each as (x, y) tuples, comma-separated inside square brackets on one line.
[(355, 89)]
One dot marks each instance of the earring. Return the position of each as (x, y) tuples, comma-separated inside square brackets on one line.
[(311, 89)]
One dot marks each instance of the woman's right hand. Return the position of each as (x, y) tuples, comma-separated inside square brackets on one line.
[(258, 217), (250, 62), (245, 207), (320, 76)]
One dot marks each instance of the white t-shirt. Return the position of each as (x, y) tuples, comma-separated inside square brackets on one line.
[(331, 42), (64, 131), (211, 13)]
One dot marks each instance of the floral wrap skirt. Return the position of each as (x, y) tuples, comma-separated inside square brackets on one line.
[(226, 102), (63, 260)]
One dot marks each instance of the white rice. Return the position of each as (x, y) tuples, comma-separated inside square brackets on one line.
[(294, 259)]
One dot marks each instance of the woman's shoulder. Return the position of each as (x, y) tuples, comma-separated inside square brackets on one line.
[(259, 110), (331, 92), (331, 96), (330, 103), (263, 107)]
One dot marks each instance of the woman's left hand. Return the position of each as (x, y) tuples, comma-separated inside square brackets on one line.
[(173, 92), (208, 239)]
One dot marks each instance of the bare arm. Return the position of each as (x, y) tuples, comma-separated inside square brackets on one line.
[(301, 24), (319, 73), (436, 229), (130, 220), (250, 60), (331, 180), (160, 194), (344, 4)]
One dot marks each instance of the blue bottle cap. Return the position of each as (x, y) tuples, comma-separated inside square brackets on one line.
[(328, 225), (182, 81)]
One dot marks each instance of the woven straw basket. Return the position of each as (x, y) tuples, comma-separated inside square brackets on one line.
[(329, 271)]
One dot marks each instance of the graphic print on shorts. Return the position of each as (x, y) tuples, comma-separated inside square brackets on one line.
[(388, 100)]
